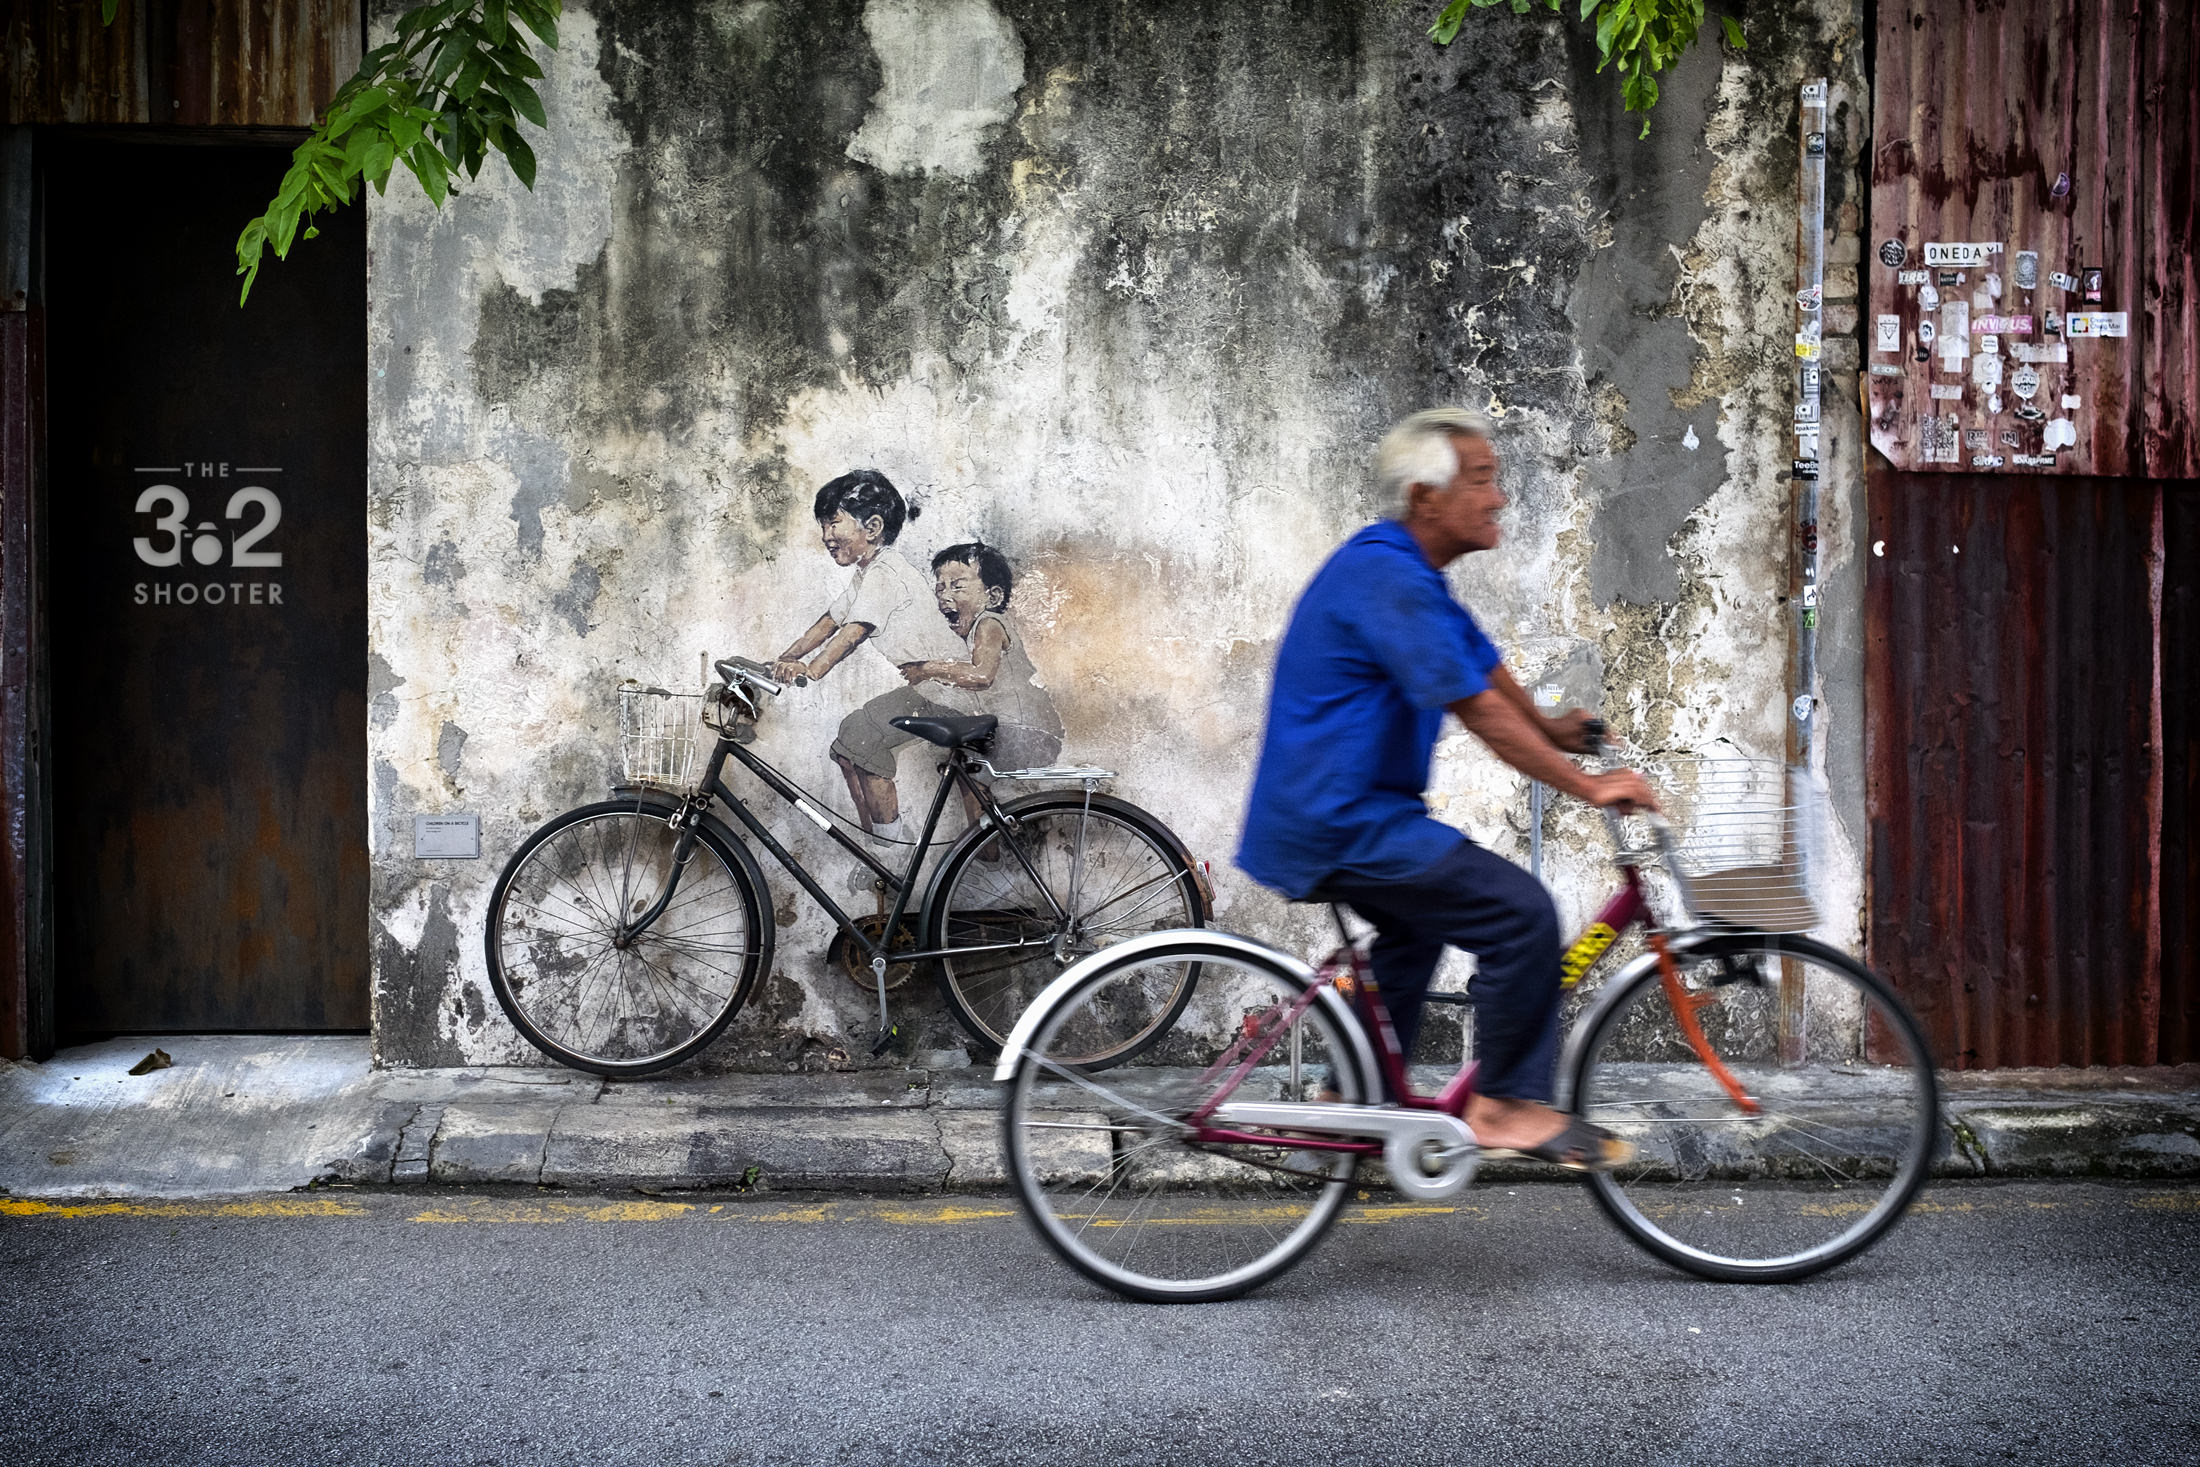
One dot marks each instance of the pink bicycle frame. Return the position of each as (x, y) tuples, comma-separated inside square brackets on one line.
[(1348, 968)]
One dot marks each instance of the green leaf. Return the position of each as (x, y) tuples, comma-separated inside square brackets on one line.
[(493, 22), (521, 157), (427, 166), (523, 99), (1734, 33), (448, 57), (539, 18), (1448, 22), (1587, 6), (470, 77), (1608, 25)]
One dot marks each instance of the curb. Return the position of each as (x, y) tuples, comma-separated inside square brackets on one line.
[(243, 1115)]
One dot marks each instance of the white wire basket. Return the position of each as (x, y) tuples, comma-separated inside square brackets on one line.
[(1743, 830), (658, 736)]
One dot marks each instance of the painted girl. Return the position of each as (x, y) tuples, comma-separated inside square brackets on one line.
[(887, 603)]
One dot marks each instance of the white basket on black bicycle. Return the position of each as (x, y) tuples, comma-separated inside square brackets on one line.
[(658, 737), (1742, 830)]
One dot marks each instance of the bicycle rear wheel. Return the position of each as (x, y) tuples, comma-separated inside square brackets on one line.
[(1841, 1145), (1099, 874), (1105, 1165), (565, 980)]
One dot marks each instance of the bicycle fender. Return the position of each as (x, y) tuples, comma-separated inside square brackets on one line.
[(1191, 942)]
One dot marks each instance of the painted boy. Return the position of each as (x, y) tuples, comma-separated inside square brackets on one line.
[(972, 584)]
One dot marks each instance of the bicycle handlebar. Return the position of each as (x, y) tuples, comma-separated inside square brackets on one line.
[(755, 674)]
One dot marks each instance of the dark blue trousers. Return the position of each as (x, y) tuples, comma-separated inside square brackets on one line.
[(1487, 906)]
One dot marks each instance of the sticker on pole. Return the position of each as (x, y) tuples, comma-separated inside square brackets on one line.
[(1961, 255), (1893, 253)]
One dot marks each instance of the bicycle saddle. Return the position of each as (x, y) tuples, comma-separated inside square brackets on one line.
[(950, 733)]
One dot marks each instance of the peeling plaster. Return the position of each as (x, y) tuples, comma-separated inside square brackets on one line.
[(952, 70)]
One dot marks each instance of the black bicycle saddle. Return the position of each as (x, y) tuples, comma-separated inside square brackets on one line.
[(950, 733)]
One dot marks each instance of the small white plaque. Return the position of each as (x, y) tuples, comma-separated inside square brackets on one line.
[(447, 837)]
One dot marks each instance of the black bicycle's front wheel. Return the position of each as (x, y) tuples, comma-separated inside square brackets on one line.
[(1069, 878), (590, 994), (1846, 1118)]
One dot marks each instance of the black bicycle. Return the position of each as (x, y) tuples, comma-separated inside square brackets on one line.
[(624, 936)]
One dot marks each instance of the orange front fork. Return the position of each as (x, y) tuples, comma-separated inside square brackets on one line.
[(1685, 1005)]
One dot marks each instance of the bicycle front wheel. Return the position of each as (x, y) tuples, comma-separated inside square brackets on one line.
[(1843, 1137), (1107, 1166), (1069, 880), (583, 991)]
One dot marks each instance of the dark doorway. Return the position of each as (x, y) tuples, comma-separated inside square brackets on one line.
[(207, 614), (2030, 734)]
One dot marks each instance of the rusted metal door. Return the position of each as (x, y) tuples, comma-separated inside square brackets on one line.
[(2018, 681), (2180, 671), (207, 575)]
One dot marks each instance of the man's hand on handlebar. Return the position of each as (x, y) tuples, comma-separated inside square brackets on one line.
[(1623, 791), (1577, 731), (791, 670)]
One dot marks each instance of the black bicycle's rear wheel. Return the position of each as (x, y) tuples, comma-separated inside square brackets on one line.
[(1110, 871), (1843, 1138), (569, 986)]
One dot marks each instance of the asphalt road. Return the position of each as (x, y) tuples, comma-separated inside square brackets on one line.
[(2030, 1323)]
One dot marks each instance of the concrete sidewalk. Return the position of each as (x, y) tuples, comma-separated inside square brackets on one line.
[(241, 1114)]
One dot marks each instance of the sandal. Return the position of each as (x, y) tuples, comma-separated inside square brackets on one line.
[(1582, 1147)]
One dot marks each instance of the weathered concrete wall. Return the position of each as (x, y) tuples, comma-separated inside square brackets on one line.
[(1128, 291)]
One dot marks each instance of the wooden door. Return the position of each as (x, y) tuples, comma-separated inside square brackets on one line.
[(207, 599)]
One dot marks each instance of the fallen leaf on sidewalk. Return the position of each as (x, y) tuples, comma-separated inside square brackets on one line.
[(157, 1060)]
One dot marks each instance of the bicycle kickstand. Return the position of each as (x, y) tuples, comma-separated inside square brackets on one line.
[(886, 1029)]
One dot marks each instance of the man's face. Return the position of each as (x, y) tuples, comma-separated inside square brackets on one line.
[(962, 594), (848, 541), (1464, 511)]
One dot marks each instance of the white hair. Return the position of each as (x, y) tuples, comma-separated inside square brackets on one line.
[(1420, 451)]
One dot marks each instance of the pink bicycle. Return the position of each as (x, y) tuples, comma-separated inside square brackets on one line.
[(1779, 1095)]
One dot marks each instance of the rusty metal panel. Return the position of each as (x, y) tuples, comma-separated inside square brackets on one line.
[(2063, 129), (2009, 665), (254, 63), (2180, 702), (207, 637)]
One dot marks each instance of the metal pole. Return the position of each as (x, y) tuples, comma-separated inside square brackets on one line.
[(1802, 723), (1535, 828)]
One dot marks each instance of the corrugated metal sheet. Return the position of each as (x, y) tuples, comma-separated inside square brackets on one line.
[(1979, 110), (2010, 695), (254, 63)]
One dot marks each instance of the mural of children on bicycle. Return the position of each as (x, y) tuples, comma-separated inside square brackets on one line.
[(949, 635)]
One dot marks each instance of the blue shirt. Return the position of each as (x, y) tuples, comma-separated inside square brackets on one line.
[(1376, 651)]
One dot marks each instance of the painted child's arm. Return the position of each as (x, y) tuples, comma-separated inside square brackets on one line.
[(837, 646), (788, 664), (986, 649)]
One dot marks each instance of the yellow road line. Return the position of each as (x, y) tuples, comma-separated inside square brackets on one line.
[(941, 1213), (263, 1207)]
